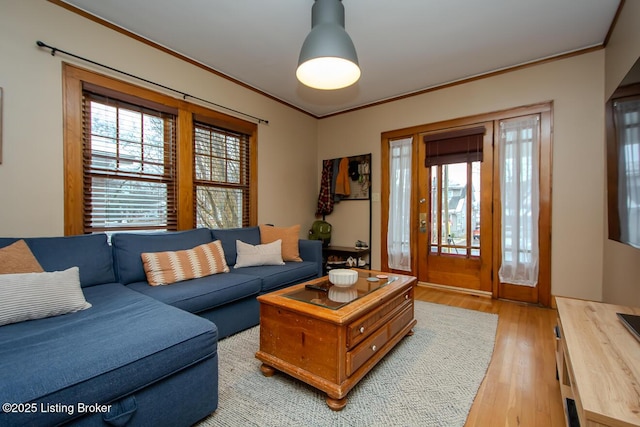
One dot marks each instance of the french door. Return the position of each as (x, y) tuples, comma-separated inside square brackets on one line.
[(522, 208), (457, 238), (455, 184)]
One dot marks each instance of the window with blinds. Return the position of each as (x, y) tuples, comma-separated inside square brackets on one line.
[(139, 160), (221, 177), (129, 166)]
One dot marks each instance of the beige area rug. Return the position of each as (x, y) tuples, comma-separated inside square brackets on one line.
[(429, 379)]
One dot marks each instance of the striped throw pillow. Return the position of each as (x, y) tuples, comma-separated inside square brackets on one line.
[(29, 296), (164, 268)]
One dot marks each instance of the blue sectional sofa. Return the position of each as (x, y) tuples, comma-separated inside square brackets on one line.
[(141, 355)]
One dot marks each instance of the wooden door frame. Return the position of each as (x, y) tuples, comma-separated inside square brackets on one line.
[(473, 274), (385, 185), (544, 221), (544, 281)]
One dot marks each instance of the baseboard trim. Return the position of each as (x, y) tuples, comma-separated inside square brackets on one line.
[(456, 289)]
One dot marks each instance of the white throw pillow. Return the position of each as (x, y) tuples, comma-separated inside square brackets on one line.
[(250, 255), (28, 296)]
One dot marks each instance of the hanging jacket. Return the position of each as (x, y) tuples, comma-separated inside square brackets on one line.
[(343, 186), (325, 198)]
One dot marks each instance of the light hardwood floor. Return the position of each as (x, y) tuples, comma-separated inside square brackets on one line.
[(520, 387)]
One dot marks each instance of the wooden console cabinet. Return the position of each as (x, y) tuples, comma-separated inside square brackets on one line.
[(598, 363)]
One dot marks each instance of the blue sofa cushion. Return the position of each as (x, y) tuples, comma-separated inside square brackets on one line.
[(311, 250), (91, 253), (197, 295), (229, 236), (127, 248), (279, 276), (125, 342)]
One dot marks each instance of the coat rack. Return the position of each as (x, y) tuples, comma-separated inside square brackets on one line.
[(346, 179)]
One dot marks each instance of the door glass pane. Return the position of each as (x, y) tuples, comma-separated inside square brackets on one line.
[(454, 218), (434, 209), (475, 208), (455, 222)]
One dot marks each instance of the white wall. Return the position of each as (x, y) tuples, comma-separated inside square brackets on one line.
[(576, 87), (31, 175)]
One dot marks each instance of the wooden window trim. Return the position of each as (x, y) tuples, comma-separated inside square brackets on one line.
[(96, 218), (73, 81), (244, 177)]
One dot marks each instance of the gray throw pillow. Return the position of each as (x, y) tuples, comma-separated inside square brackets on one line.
[(254, 255), (28, 296)]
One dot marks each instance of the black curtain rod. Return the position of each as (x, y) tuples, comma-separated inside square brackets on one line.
[(55, 50)]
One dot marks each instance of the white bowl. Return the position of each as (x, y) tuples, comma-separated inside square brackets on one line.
[(343, 277)]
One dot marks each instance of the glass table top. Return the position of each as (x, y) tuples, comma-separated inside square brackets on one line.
[(324, 294)]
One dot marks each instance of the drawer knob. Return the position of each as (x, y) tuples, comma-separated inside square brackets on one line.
[(374, 348), (406, 296), (362, 329)]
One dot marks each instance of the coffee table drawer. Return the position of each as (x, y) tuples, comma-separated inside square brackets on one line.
[(363, 327), (374, 344)]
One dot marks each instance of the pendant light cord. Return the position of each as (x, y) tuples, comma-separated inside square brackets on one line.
[(55, 50)]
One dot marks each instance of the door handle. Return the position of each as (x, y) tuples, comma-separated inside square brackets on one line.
[(422, 218)]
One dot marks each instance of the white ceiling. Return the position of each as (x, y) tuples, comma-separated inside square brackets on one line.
[(403, 46)]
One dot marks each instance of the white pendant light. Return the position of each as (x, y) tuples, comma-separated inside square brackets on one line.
[(328, 58)]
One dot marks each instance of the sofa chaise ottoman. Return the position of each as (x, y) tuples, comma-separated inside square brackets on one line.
[(134, 356), (141, 354)]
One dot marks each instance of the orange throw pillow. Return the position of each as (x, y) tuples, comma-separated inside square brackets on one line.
[(289, 237), (17, 258), (164, 268)]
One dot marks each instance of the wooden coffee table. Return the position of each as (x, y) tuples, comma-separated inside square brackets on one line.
[(332, 345)]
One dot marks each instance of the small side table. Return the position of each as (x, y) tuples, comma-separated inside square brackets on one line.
[(343, 252)]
